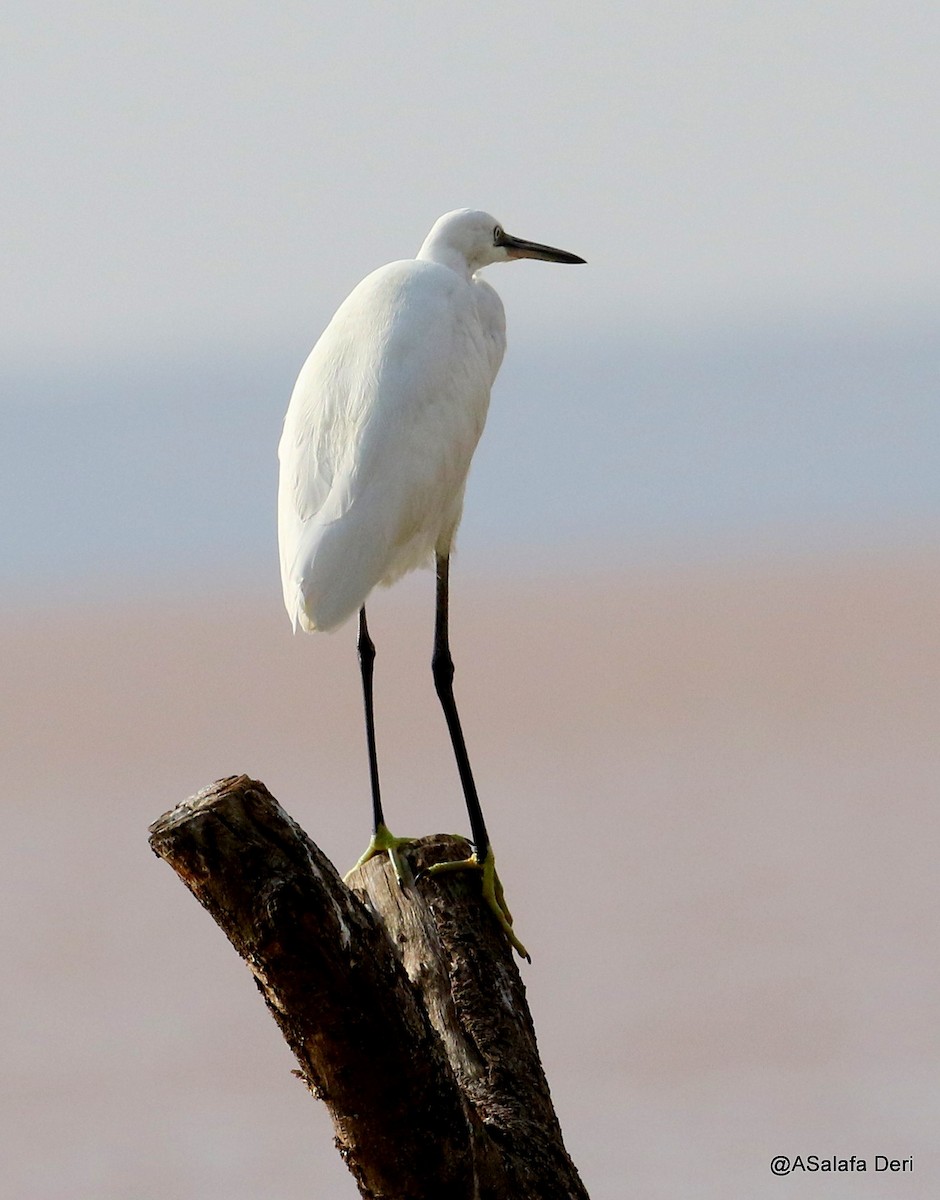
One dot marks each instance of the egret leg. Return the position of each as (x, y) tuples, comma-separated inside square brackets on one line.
[(383, 841), (482, 859)]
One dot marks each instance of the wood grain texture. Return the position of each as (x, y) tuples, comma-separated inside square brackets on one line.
[(403, 1007)]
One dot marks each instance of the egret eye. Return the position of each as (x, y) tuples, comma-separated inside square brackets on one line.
[(497, 235)]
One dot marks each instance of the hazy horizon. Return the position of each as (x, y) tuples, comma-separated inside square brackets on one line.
[(157, 475)]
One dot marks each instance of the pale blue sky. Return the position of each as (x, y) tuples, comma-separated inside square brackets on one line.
[(190, 190)]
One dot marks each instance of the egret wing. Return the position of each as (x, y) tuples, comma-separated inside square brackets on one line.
[(379, 435)]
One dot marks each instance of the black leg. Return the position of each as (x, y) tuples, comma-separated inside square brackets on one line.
[(382, 840), (442, 665), (366, 660)]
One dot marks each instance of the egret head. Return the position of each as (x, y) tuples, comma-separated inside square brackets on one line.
[(467, 237)]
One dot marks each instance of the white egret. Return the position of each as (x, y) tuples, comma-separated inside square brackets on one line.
[(381, 427)]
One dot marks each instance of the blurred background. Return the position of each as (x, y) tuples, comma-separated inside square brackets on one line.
[(695, 601)]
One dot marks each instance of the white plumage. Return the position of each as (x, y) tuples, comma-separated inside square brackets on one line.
[(381, 427), (385, 417)]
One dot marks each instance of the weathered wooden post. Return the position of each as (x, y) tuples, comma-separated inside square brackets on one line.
[(404, 1007)]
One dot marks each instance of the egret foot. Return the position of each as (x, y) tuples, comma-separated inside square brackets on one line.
[(383, 841), (492, 892)]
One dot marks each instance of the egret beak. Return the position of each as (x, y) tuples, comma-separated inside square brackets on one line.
[(518, 248)]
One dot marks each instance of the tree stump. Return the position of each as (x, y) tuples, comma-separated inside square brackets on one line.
[(403, 1006)]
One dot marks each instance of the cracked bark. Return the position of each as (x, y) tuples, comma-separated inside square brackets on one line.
[(404, 1008)]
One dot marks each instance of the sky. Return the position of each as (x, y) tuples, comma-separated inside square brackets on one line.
[(189, 192), (213, 172)]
